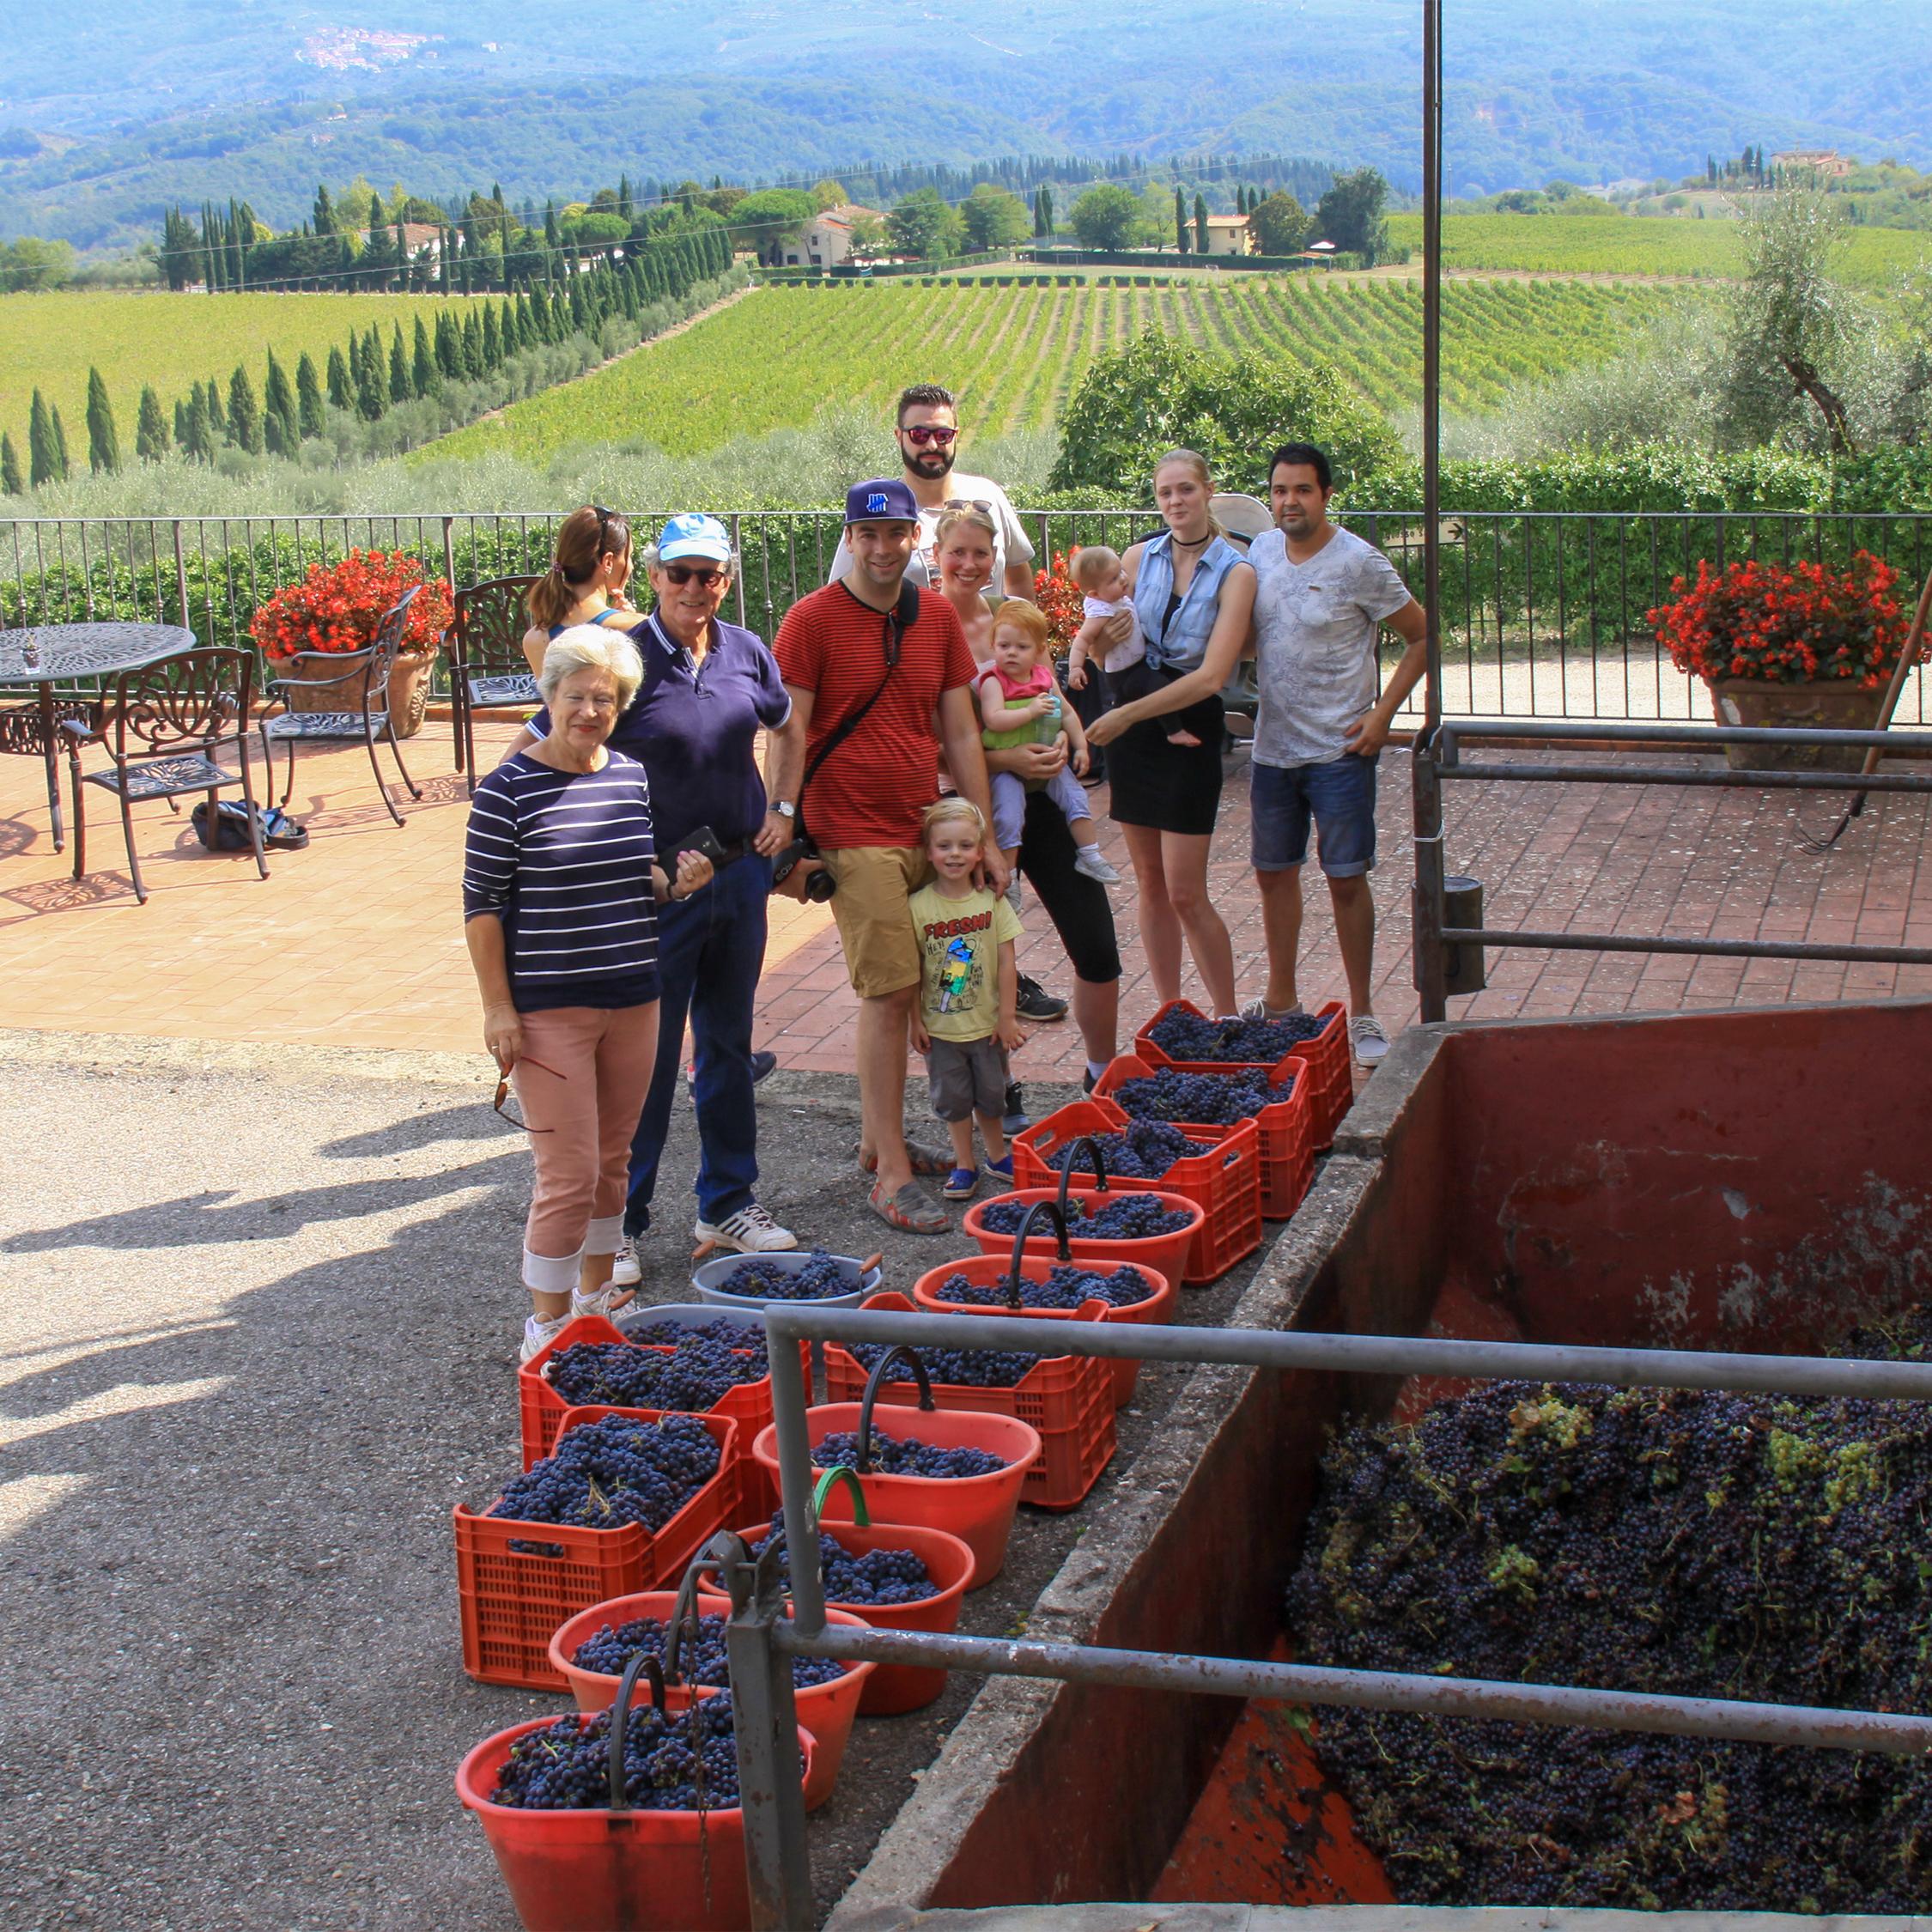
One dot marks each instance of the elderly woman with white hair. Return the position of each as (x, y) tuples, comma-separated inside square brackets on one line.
[(560, 893)]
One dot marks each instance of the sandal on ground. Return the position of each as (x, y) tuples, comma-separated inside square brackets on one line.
[(1261, 1010), (912, 1210), (923, 1158), (962, 1183)]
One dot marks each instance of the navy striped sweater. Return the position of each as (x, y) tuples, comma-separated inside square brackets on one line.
[(563, 858)]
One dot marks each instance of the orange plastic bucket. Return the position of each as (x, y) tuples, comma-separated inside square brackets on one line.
[(990, 1271), (825, 1709), (615, 1871), (978, 1509), (893, 1688), (1164, 1254)]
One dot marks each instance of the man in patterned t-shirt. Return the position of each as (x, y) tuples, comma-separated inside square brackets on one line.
[(1320, 603), (869, 640)]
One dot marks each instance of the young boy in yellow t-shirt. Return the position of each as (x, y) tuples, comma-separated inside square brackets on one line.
[(967, 1021)]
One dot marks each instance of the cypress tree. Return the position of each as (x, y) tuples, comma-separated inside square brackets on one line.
[(371, 401), (244, 413), (400, 387), (60, 447), (449, 349), (308, 398), (373, 358), (217, 416), (536, 309), (150, 428), (1180, 219), (104, 440), (199, 441), (11, 482), (181, 422), (472, 346), (423, 362), (578, 318), (492, 341), (341, 395), (507, 329), (282, 430), (1201, 225)]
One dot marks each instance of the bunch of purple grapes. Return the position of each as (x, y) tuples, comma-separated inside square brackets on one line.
[(906, 1455), (762, 1280), (623, 1375), (1194, 1036), (615, 1472), (566, 1767), (1067, 1285), (1115, 1217), (1204, 1099), (702, 1663), (1141, 1151), (878, 1577)]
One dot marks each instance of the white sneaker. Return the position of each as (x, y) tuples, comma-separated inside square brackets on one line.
[(1261, 1010), (605, 1301), (1012, 894), (750, 1231), (1367, 1037), (626, 1270), (1089, 864), (539, 1335)]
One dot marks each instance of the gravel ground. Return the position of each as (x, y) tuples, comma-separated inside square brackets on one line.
[(258, 1315)]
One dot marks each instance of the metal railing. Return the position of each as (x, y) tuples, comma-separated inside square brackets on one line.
[(761, 1639), (1541, 613)]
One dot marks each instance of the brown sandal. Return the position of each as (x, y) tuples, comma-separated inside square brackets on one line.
[(911, 1210), (922, 1158)]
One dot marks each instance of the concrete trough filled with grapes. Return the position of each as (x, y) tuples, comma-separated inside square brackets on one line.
[(1752, 1181)]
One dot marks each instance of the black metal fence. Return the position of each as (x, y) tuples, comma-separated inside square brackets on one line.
[(1543, 613)]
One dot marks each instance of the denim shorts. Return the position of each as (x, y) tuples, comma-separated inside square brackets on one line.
[(1340, 798)]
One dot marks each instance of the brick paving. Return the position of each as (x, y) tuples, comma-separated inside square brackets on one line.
[(356, 941)]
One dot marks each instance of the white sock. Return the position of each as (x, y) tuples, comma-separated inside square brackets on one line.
[(1097, 1068)]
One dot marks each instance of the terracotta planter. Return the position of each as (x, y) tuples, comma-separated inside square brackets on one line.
[(1838, 704), (409, 688)]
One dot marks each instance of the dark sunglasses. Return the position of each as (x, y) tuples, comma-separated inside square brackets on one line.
[(500, 1104), (924, 433), (683, 573)]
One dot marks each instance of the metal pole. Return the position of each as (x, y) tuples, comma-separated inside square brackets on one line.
[(1712, 949), (1694, 777), (765, 1731), (1822, 1728), (1707, 737), (790, 1398), (1427, 793), (181, 576), (1373, 1355)]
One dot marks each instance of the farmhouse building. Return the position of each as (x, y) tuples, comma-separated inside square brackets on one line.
[(1228, 234), (825, 240), (1825, 162)]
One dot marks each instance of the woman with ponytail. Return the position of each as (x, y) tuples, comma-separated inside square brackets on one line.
[(584, 584), (1194, 594)]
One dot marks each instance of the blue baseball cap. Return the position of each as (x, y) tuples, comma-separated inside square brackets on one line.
[(883, 500), (694, 534)]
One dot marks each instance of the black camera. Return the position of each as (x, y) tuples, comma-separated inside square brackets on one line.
[(819, 886)]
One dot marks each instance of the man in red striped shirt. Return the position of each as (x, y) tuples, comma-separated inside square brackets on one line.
[(873, 648)]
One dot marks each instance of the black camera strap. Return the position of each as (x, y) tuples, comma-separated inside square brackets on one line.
[(898, 621)]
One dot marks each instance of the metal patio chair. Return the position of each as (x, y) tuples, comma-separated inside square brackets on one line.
[(370, 720), (164, 726), (79, 719), (487, 666)]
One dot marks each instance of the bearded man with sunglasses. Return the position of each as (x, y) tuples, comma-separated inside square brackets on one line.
[(880, 673), (708, 689)]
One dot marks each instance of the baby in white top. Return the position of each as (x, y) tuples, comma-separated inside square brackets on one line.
[(1104, 594)]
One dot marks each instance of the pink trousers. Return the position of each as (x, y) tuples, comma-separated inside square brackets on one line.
[(583, 1076)]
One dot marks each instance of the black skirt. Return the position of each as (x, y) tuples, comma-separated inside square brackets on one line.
[(1169, 788)]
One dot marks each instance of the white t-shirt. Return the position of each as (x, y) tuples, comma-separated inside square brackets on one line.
[(1009, 538), (1315, 627), (1135, 648)]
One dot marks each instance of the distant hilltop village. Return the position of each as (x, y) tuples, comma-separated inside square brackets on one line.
[(340, 48)]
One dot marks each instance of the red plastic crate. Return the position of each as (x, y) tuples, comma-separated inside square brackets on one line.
[(1068, 1398), (513, 1600), (1225, 1179), (1287, 1154), (541, 1409), (1326, 1054)]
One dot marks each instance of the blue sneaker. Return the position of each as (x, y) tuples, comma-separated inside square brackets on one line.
[(1000, 1169), (961, 1183)]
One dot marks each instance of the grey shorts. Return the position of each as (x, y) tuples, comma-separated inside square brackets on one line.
[(968, 1076)]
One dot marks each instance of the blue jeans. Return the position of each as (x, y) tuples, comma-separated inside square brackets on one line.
[(711, 949)]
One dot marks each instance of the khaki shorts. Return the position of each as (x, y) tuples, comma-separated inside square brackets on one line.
[(875, 926)]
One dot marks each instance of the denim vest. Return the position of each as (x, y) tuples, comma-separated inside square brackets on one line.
[(1183, 644)]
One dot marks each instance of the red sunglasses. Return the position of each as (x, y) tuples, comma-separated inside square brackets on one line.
[(923, 432)]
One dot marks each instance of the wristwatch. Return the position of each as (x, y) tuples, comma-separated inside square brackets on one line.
[(784, 808)]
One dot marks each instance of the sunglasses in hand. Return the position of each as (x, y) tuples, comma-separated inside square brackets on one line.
[(501, 1103), (923, 432)]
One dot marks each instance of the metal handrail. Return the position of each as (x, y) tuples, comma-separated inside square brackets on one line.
[(762, 1637)]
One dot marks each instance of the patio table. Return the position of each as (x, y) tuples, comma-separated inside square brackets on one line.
[(48, 655)]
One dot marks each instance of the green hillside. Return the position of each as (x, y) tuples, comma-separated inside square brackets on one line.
[(48, 340), (1014, 354)]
